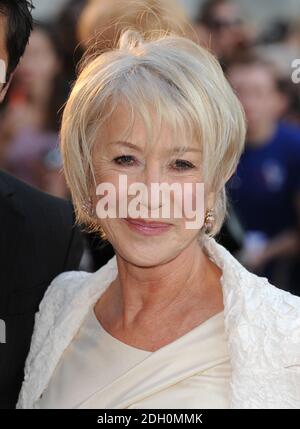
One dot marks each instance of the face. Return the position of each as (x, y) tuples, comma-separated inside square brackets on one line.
[(40, 62), (147, 164), (228, 28), (3, 54), (256, 89)]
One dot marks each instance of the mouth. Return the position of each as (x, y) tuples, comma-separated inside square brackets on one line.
[(147, 227)]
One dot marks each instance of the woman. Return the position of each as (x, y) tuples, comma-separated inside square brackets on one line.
[(172, 320)]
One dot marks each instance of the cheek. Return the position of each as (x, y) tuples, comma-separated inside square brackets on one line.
[(195, 207), (104, 172), (196, 195), (50, 69), (105, 180)]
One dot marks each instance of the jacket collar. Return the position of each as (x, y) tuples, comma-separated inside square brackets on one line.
[(6, 188), (11, 199)]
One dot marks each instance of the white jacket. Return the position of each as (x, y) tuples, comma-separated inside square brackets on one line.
[(262, 323)]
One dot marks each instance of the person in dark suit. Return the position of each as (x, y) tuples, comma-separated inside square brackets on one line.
[(38, 238), (37, 242)]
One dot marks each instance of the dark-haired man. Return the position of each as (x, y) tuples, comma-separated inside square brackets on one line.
[(38, 239), (226, 32)]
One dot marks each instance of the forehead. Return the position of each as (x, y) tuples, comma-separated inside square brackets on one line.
[(126, 125), (255, 75), (227, 10), (124, 120)]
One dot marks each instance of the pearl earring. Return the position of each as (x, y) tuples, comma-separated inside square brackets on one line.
[(209, 220)]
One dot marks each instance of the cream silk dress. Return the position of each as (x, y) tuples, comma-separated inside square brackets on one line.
[(198, 362)]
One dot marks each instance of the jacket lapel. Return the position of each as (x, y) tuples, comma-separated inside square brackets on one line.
[(12, 221)]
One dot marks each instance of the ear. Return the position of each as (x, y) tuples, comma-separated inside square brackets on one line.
[(4, 90)]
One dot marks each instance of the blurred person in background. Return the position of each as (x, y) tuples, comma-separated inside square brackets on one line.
[(38, 239), (280, 44), (226, 31), (102, 21), (67, 37), (290, 97), (30, 122), (265, 191)]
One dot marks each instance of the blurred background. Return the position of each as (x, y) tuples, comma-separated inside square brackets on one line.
[(261, 11), (256, 42)]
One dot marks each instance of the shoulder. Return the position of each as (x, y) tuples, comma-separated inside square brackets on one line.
[(52, 307), (31, 200), (68, 294), (255, 308), (58, 296), (268, 321), (44, 342), (275, 303), (290, 133), (61, 312), (265, 345), (47, 222)]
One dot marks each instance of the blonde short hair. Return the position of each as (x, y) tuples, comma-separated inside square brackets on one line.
[(186, 87)]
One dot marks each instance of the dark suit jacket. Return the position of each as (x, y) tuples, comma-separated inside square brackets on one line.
[(38, 241)]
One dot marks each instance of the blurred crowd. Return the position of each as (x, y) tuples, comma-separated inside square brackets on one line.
[(263, 224)]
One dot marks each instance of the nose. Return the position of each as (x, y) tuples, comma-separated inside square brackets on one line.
[(152, 174)]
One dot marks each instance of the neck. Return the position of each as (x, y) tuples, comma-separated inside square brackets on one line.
[(143, 294)]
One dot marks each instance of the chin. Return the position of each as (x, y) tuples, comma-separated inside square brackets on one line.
[(144, 257)]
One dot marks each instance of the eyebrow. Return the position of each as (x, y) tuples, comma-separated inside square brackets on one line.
[(173, 150)]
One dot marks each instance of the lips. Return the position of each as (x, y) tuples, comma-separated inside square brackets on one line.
[(149, 224), (144, 227)]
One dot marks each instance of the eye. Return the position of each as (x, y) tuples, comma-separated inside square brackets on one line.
[(181, 165), (126, 160)]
